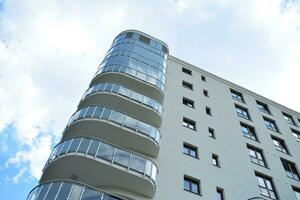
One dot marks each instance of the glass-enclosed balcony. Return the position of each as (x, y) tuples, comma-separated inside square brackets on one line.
[(106, 166), (116, 127), (63, 190), (135, 103)]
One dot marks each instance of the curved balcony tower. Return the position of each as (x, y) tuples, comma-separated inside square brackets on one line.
[(109, 147)]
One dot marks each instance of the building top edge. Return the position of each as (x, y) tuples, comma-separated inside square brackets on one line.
[(234, 86)]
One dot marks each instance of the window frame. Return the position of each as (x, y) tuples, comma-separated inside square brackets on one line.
[(296, 189), (252, 133), (186, 71), (268, 182), (192, 181), (203, 78), (211, 132), (281, 145), (265, 107), (296, 134), (205, 93), (208, 110), (187, 85), (292, 169), (238, 96), (215, 160), (221, 192), (190, 124), (288, 118), (259, 156), (190, 148), (271, 121), (188, 102), (242, 112)]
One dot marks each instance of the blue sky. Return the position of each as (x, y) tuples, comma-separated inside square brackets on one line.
[(49, 51)]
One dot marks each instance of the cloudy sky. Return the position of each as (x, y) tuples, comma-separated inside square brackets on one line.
[(49, 51)]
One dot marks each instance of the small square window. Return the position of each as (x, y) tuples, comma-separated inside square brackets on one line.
[(188, 123), (220, 194), (205, 93), (288, 118), (296, 134), (187, 85), (270, 124), (203, 78), (215, 160), (208, 110), (237, 95), (188, 102), (190, 150), (191, 185), (211, 132), (263, 107), (186, 71)]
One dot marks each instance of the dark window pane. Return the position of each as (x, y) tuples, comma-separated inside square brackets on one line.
[(130, 122), (65, 147), (74, 145), (137, 163), (64, 191), (105, 151), (122, 157), (93, 147), (89, 194), (84, 145), (53, 191), (116, 117), (98, 112), (89, 112)]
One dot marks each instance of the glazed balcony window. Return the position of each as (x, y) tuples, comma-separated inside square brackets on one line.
[(104, 113), (130, 94), (98, 149)]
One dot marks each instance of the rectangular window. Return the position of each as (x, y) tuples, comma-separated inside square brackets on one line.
[(297, 192), (296, 134), (290, 169), (144, 39), (189, 123), (256, 156), (220, 194), (249, 132), (191, 185), (280, 145), (263, 107), (203, 78), (242, 112), (205, 93), (208, 110), (188, 102), (237, 95), (215, 160), (288, 118), (270, 124), (187, 85), (186, 71), (266, 186), (190, 150), (211, 132)]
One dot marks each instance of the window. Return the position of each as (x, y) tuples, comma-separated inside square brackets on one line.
[(220, 194), (256, 156), (190, 150), (187, 71), (191, 185), (215, 160), (203, 78), (188, 102), (270, 124), (144, 39), (242, 112), (280, 145), (288, 118), (189, 123), (208, 110), (290, 169), (297, 192), (249, 132), (211, 132), (263, 107), (205, 93), (187, 85), (296, 134), (237, 95), (266, 186)]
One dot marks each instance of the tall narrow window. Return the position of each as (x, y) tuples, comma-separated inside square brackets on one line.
[(256, 156), (187, 85), (190, 150), (205, 93), (280, 145), (296, 134), (211, 132), (270, 124), (188, 102), (186, 71), (189, 123), (263, 107), (208, 110), (237, 95), (290, 169), (215, 160), (288, 118), (297, 192), (242, 112), (266, 186), (191, 185), (220, 194), (203, 78), (249, 131)]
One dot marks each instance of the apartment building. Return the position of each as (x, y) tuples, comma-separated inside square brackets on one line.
[(151, 126)]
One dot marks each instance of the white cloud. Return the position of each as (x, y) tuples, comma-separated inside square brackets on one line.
[(50, 50)]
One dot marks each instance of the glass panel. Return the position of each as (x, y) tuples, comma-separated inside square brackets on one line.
[(44, 190), (101, 87), (64, 191), (143, 128), (137, 97), (82, 112), (53, 191), (98, 112), (106, 113), (74, 145), (93, 147), (130, 122), (89, 112), (116, 117), (137, 163), (65, 147), (122, 157), (105, 151), (261, 181), (124, 91), (76, 191), (186, 185), (109, 197), (84, 145), (108, 87), (116, 88), (89, 194), (195, 188)]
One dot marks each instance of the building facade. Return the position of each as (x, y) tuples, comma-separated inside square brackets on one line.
[(151, 126)]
